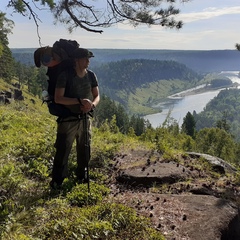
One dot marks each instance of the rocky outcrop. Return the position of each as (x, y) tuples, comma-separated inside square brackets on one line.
[(218, 164), (184, 198), (6, 97)]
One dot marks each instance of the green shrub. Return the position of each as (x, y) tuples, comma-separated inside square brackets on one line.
[(58, 221), (80, 196), (21, 136)]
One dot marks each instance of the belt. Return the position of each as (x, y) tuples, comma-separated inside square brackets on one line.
[(74, 117)]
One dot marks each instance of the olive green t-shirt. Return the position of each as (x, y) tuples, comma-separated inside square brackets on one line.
[(77, 87)]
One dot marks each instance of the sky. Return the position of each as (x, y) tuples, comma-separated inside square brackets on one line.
[(208, 25)]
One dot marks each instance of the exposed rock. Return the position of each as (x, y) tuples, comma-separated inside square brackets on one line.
[(195, 217), (155, 173), (8, 94), (218, 164), (18, 95), (182, 198), (6, 97)]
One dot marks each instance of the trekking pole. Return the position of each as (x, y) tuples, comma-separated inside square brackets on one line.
[(87, 149)]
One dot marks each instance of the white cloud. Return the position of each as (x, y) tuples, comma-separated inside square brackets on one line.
[(208, 13)]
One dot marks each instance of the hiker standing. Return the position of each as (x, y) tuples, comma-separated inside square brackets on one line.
[(80, 95)]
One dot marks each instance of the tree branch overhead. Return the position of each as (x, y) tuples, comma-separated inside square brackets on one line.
[(94, 15)]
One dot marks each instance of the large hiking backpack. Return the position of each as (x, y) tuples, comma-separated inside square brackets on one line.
[(63, 50), (56, 109)]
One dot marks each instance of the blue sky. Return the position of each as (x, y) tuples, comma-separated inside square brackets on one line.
[(208, 25)]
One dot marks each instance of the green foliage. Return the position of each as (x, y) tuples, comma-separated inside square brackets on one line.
[(34, 78), (223, 123), (106, 143), (10, 179), (105, 221), (6, 60), (108, 112), (90, 17), (189, 125), (79, 195), (21, 136), (168, 140), (139, 72), (223, 111), (216, 142), (222, 82)]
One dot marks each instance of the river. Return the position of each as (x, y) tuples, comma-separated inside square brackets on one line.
[(179, 107)]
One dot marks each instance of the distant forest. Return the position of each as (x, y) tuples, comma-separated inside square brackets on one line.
[(200, 61)]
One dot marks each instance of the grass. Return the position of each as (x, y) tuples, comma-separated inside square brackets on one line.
[(30, 211)]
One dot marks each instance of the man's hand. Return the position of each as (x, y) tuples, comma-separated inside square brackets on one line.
[(86, 105)]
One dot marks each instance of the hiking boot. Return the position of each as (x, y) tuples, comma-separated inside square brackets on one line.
[(55, 186)]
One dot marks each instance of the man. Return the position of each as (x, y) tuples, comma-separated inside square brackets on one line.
[(80, 95)]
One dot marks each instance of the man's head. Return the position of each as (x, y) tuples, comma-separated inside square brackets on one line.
[(82, 56)]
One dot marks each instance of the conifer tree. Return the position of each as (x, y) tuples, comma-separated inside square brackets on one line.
[(189, 125), (223, 123), (6, 59)]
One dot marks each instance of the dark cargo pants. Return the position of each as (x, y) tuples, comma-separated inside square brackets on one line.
[(68, 130)]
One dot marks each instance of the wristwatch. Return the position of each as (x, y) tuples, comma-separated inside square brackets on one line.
[(93, 106)]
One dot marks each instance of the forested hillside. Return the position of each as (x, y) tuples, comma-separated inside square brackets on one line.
[(131, 74), (223, 111), (146, 81)]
